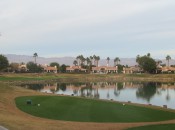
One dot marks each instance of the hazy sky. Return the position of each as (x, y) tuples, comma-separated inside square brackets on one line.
[(114, 28)]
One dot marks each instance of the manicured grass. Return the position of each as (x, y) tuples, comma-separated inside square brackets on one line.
[(155, 127), (88, 110)]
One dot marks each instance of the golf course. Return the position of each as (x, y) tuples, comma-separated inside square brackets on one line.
[(61, 112)]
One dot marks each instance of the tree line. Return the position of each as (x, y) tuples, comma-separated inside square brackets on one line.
[(92, 60), (32, 67), (150, 65), (145, 62)]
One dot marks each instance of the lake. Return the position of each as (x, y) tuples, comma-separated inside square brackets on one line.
[(154, 93)]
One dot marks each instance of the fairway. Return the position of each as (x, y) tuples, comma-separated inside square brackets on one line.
[(87, 110)]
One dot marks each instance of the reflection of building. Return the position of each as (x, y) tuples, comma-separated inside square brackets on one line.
[(52, 87), (104, 69), (166, 85), (75, 69), (78, 85)]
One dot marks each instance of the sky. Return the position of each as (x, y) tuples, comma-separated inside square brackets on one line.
[(107, 28)]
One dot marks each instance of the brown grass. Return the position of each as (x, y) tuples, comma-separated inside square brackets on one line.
[(14, 119), (87, 77)]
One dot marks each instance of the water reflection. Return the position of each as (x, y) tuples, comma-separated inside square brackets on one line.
[(147, 91), (139, 92)]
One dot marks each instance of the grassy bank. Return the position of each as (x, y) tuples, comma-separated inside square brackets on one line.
[(87, 77), (88, 110)]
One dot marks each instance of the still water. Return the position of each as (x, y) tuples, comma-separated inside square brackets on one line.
[(137, 92)]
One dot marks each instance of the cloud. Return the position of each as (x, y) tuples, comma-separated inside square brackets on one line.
[(52, 26), (163, 53)]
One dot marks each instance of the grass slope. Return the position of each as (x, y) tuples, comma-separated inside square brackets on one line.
[(155, 127), (87, 110), (86, 77)]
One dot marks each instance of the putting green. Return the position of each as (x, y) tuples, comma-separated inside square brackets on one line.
[(89, 110)]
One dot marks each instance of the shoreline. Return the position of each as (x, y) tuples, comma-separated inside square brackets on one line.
[(72, 78)]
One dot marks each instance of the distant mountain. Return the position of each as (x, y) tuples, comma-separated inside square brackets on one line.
[(69, 60), (40, 60)]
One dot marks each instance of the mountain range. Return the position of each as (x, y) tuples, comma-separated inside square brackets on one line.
[(69, 60)]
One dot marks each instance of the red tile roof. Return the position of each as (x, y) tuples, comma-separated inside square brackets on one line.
[(50, 68), (75, 68), (105, 68)]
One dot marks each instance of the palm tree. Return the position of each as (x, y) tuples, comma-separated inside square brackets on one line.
[(35, 55), (137, 58), (116, 61), (78, 59), (91, 58), (94, 57), (108, 59), (168, 58), (75, 62), (159, 62), (149, 55), (82, 59), (97, 59), (88, 61)]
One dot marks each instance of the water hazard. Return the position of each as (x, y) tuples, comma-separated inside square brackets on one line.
[(138, 92)]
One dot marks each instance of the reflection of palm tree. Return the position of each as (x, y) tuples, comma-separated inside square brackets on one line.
[(62, 86), (75, 91), (120, 86), (167, 96), (96, 94), (108, 96), (118, 89), (158, 92), (116, 92), (90, 90), (82, 92)]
